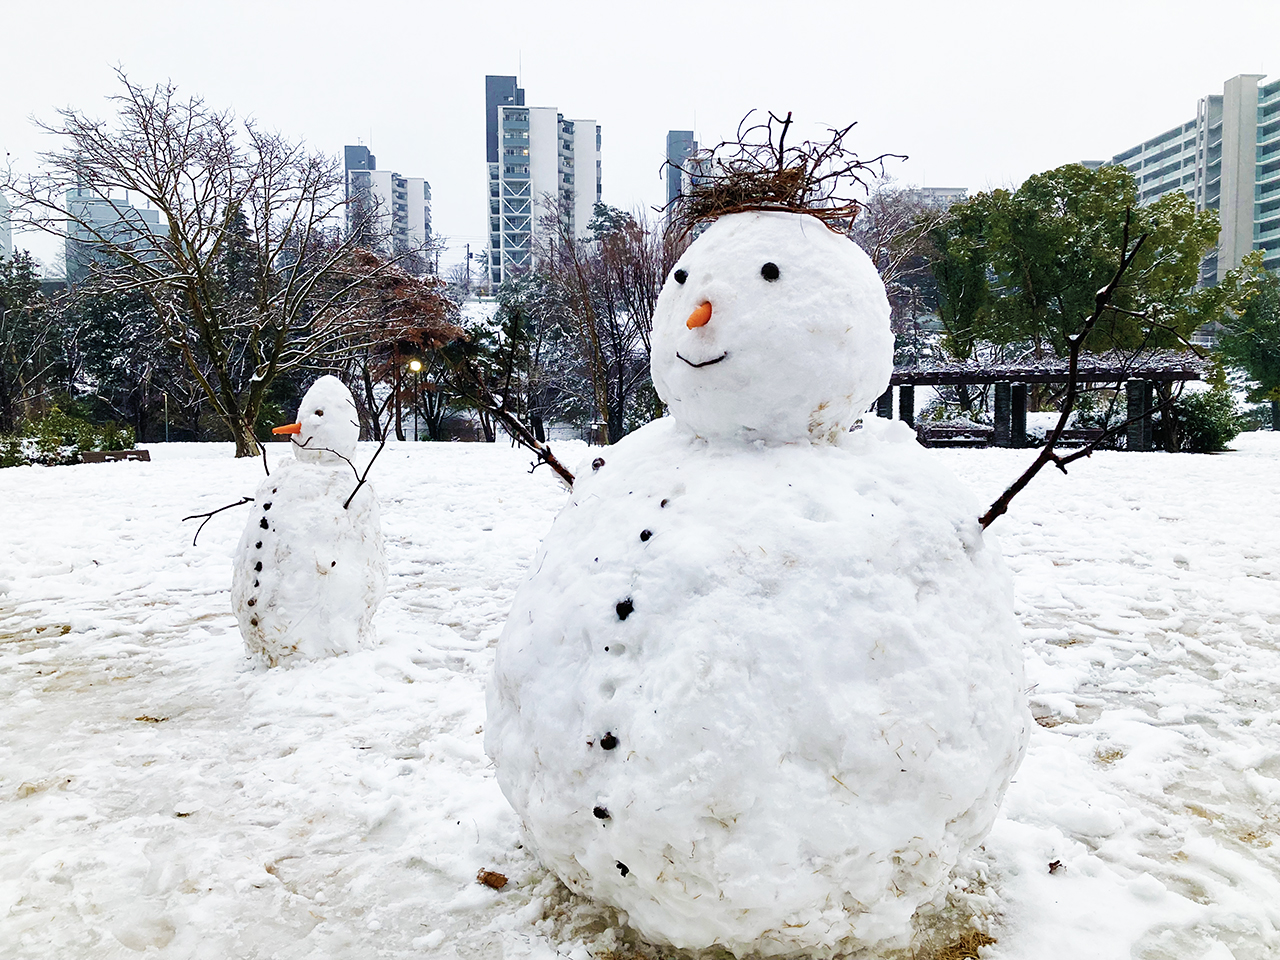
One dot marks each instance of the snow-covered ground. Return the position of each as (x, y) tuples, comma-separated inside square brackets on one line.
[(160, 794)]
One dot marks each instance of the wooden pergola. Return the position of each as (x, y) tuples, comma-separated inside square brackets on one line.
[(1137, 376)]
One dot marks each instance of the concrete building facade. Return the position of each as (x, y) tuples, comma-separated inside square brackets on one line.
[(390, 212), (540, 164), (93, 220), (938, 198), (6, 229), (680, 147), (1226, 158)]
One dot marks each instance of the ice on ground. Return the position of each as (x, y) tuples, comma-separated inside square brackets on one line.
[(158, 792)]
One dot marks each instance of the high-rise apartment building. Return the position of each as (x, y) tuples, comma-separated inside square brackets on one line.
[(93, 220), (938, 198), (386, 210), (540, 164), (1227, 158), (6, 232), (680, 147)]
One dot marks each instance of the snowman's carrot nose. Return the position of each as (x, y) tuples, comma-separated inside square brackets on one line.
[(288, 428), (699, 317)]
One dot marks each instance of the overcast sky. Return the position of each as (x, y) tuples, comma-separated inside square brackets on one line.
[(979, 93)]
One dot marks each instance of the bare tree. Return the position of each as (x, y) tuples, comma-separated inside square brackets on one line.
[(247, 277), (608, 283), (893, 227)]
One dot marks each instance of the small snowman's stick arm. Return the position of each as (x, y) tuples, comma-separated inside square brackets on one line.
[(209, 516), (361, 478)]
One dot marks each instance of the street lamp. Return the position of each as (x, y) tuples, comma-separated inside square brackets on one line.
[(416, 366)]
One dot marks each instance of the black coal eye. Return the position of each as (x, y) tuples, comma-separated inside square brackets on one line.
[(319, 413), (769, 271), (681, 276)]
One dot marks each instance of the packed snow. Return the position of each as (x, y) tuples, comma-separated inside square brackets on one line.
[(793, 340), (764, 688), (160, 792), (761, 697), (311, 568)]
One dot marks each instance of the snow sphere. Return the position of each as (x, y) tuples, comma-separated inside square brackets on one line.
[(330, 426), (310, 570), (756, 694), (797, 341), (761, 696)]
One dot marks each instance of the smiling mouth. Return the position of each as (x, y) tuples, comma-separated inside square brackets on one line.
[(704, 363)]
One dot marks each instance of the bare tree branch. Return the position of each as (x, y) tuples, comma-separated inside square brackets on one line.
[(1076, 344)]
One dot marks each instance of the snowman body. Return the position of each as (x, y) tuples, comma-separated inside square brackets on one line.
[(764, 686), (310, 570)]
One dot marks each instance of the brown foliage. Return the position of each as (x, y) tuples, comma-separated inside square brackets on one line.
[(397, 307)]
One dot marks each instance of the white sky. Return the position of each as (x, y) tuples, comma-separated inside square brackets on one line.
[(979, 94)]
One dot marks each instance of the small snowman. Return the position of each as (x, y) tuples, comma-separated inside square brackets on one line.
[(310, 569), (764, 686)]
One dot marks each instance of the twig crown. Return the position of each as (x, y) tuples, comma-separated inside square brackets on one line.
[(759, 171)]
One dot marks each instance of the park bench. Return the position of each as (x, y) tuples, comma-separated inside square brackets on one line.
[(1080, 437), (954, 435), (108, 456)]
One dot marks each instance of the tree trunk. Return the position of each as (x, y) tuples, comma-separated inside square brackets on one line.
[(246, 442), (617, 423), (371, 404)]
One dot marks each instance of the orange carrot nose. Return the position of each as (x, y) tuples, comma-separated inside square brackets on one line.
[(699, 317), (289, 428)]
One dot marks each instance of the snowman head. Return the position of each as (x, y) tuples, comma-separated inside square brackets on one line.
[(771, 327), (328, 427)]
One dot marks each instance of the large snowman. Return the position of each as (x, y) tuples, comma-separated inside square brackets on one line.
[(763, 687), (310, 569)]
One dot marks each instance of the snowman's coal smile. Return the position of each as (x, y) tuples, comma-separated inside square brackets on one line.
[(704, 363)]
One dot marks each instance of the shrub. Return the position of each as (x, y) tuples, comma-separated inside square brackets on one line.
[(1207, 421), (57, 438)]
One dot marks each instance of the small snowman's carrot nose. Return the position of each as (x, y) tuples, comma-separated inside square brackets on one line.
[(699, 317), (288, 428)]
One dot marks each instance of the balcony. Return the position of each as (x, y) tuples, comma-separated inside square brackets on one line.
[(1268, 175), (1268, 242)]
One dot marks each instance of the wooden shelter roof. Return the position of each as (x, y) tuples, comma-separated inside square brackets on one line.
[(1164, 366)]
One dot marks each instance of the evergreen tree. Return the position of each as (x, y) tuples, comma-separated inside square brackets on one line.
[(1023, 267), (31, 357), (1252, 340)]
